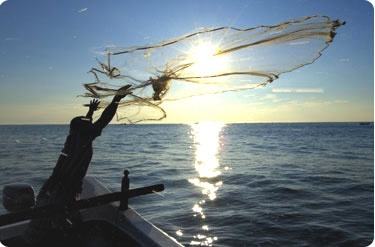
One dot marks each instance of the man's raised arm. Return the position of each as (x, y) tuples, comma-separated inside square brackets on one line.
[(111, 109)]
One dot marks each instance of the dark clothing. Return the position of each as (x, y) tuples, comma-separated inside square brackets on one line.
[(71, 167), (66, 180)]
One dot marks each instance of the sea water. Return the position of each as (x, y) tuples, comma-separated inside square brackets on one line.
[(290, 184)]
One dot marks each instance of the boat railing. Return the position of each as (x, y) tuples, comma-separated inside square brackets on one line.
[(56, 209)]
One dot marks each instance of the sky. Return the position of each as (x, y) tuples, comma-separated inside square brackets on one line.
[(47, 47)]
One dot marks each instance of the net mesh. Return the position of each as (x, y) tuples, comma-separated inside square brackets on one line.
[(207, 61)]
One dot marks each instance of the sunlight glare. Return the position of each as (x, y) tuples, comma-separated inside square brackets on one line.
[(207, 60), (207, 143)]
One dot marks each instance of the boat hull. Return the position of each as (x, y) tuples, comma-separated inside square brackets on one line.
[(104, 225)]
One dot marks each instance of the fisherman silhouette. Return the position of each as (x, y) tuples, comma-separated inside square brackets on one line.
[(65, 184)]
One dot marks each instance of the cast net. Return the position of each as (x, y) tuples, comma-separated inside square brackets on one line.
[(207, 61)]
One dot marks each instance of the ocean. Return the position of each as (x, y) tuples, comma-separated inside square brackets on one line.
[(274, 184)]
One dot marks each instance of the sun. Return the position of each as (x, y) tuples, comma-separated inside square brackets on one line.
[(204, 52), (207, 59)]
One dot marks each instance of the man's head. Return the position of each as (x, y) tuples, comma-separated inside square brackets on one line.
[(81, 124)]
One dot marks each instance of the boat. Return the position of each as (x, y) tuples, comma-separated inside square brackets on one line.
[(365, 123), (106, 219)]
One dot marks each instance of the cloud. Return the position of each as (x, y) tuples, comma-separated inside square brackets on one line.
[(298, 90), (340, 101), (2, 1), (249, 95), (269, 96), (314, 104), (10, 38)]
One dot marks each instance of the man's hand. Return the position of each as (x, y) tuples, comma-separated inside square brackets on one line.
[(111, 109), (122, 92), (94, 105)]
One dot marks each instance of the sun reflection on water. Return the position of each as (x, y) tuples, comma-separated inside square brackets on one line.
[(206, 137)]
